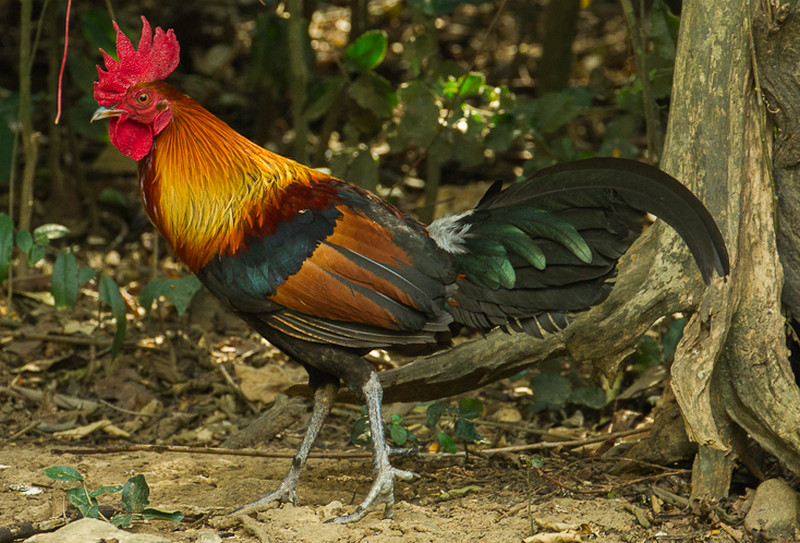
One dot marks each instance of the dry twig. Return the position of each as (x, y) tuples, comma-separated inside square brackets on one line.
[(572, 443)]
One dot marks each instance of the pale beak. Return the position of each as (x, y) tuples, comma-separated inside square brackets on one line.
[(105, 112)]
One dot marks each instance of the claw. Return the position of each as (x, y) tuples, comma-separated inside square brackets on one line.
[(382, 490), (287, 490), (285, 493)]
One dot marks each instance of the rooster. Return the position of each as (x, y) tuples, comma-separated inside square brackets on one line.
[(327, 271)]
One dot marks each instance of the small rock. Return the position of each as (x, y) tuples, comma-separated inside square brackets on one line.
[(774, 514), (507, 414), (89, 530), (208, 537), (333, 509)]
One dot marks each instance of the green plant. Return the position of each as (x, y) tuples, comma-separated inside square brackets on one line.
[(364, 97), (451, 419), (68, 276), (399, 434), (460, 420), (531, 463), (134, 493), (179, 291)]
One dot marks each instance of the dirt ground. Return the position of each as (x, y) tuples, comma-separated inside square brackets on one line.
[(208, 384), (496, 508)]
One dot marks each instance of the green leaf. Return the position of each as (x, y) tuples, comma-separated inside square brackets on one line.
[(77, 497), (447, 442), (471, 84), (648, 352), (564, 149), (157, 514), (358, 431), (420, 121), (465, 86), (87, 506), (363, 170), (470, 408), (179, 291), (50, 231), (536, 461), (466, 431), (398, 433), (135, 494), (367, 51), (63, 473), (550, 391), (373, 93), (97, 30), (110, 294), (122, 520), (64, 284), (417, 50), (24, 241), (554, 110), (6, 244), (85, 274), (435, 412), (664, 28), (501, 133), (105, 490), (467, 147), (37, 253)]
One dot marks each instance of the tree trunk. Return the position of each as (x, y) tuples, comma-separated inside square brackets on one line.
[(776, 29), (560, 27), (737, 371)]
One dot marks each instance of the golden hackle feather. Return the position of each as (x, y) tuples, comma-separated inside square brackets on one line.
[(207, 188)]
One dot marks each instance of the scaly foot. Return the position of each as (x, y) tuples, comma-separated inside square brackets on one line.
[(285, 493), (382, 491)]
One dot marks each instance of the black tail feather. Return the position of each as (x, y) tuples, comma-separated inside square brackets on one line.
[(641, 186), (605, 202)]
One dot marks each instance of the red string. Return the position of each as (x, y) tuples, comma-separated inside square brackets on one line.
[(63, 60)]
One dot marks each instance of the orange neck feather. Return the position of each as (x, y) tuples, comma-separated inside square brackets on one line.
[(206, 187)]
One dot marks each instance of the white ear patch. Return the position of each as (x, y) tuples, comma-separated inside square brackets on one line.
[(449, 233)]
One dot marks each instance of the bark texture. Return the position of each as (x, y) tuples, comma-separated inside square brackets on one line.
[(776, 30), (736, 370)]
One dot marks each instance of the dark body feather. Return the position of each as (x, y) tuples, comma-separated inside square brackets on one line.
[(358, 273)]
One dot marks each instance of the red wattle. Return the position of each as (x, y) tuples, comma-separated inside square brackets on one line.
[(133, 139)]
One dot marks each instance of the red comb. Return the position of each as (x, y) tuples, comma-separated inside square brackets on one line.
[(156, 57)]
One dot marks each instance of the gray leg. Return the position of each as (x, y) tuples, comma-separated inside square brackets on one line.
[(324, 396), (383, 488)]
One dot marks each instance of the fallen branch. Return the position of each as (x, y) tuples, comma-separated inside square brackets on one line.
[(206, 450), (572, 443)]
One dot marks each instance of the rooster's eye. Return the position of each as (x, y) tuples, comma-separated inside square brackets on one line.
[(143, 98)]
